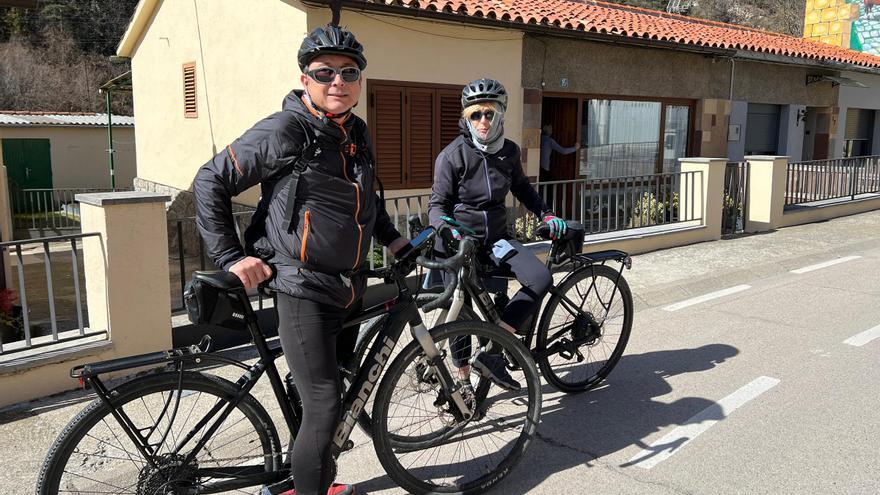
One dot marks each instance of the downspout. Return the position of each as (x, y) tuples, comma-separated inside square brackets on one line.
[(110, 140), (732, 67)]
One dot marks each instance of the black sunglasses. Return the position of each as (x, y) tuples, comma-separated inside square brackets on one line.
[(326, 75), (478, 115)]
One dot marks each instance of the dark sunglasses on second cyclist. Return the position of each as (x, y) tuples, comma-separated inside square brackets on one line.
[(477, 115), (326, 75)]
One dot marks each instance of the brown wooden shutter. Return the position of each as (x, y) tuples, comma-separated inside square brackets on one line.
[(386, 106), (420, 139), (450, 113), (190, 105)]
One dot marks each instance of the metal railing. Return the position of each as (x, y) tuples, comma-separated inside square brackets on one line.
[(821, 180), (734, 214), (400, 209), (33, 315), (186, 250), (618, 203), (48, 209)]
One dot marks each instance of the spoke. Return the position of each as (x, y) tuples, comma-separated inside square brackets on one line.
[(121, 447), (117, 488)]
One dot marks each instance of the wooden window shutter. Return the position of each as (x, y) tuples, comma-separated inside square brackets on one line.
[(190, 104), (450, 113), (387, 109), (421, 140)]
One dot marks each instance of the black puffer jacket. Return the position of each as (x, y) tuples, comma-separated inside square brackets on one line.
[(336, 211), (471, 186)]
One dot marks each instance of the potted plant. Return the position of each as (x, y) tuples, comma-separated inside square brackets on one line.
[(11, 327)]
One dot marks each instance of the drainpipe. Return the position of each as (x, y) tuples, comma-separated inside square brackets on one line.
[(732, 66), (110, 140)]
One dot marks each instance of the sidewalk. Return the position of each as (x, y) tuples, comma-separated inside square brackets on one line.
[(657, 278)]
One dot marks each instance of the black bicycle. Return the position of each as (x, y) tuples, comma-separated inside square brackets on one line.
[(582, 331), (182, 431)]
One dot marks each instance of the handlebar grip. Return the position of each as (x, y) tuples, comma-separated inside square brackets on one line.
[(465, 247), (443, 297), (433, 265)]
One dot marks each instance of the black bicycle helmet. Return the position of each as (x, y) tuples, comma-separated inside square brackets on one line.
[(333, 40), (484, 90)]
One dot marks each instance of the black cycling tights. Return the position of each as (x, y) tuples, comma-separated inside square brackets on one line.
[(312, 338)]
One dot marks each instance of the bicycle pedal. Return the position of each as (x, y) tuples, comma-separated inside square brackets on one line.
[(278, 488)]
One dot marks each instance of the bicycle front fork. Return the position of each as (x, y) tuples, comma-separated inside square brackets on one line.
[(435, 361)]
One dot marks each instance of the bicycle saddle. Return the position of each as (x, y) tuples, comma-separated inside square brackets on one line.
[(219, 279)]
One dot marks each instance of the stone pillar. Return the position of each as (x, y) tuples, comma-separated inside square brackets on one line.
[(126, 269), (706, 186), (765, 200)]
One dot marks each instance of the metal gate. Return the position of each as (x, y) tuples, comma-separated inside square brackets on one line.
[(736, 180)]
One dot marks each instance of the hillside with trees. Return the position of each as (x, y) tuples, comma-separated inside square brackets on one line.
[(55, 57)]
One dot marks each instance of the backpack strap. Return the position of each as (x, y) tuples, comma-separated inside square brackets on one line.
[(309, 152)]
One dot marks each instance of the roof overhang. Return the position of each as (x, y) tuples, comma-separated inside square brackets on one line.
[(835, 81), (121, 82), (803, 62), (136, 25), (551, 30), (529, 28)]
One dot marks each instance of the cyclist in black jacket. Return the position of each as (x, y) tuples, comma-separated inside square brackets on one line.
[(472, 177), (313, 225)]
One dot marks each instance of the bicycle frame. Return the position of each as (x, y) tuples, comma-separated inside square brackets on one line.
[(401, 311), (470, 283)]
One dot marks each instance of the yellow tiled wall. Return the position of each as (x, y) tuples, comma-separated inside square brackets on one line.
[(830, 21)]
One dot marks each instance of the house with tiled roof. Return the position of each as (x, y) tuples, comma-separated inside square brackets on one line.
[(634, 89)]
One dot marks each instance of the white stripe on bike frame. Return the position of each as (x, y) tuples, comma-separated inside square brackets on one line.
[(707, 297), (863, 338), (672, 442), (819, 266)]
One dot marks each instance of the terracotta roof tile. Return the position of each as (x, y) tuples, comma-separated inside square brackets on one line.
[(620, 20)]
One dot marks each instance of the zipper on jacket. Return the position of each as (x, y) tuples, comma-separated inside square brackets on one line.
[(302, 251), (357, 213), (489, 191)]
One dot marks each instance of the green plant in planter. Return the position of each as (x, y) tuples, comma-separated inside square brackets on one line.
[(376, 256), (11, 326), (525, 227), (649, 211)]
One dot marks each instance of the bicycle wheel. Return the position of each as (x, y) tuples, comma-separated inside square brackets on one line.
[(442, 452), (368, 334), (584, 329), (94, 454)]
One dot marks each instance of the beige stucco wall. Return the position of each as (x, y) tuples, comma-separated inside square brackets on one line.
[(245, 58), (79, 155), (245, 69), (128, 231), (820, 214)]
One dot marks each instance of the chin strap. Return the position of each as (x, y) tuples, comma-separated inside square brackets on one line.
[(318, 112)]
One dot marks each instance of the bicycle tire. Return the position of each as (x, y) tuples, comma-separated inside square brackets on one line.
[(521, 425), (87, 421), (552, 368), (368, 335)]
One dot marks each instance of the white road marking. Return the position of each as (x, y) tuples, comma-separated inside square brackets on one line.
[(863, 338), (672, 442), (826, 264), (707, 297)]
